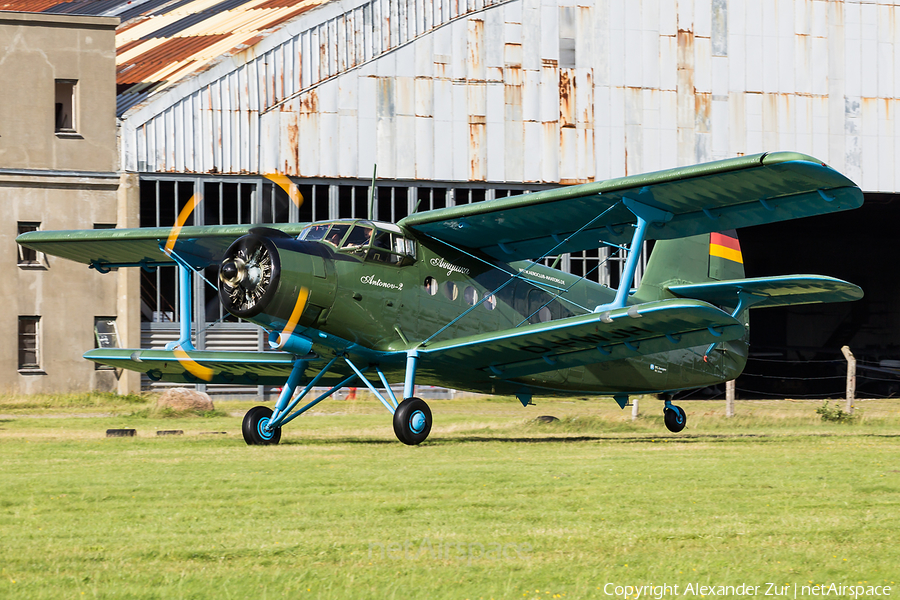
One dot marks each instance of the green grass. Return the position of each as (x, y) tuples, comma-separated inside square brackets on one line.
[(493, 505)]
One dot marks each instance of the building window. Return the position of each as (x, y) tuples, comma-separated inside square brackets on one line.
[(65, 105), (106, 335), (29, 258), (29, 343)]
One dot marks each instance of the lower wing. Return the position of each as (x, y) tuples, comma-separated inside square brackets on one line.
[(587, 339), (199, 366)]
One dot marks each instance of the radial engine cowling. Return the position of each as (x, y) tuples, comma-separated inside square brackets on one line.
[(263, 274)]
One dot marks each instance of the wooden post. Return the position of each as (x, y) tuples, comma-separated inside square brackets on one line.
[(635, 413), (729, 398), (851, 378)]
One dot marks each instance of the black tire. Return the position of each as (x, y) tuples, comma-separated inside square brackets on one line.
[(412, 421), (253, 424), (675, 418)]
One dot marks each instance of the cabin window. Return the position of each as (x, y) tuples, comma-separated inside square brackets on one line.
[(471, 295), (490, 302), (451, 291), (431, 286)]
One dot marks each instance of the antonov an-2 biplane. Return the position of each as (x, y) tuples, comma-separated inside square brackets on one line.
[(458, 297)]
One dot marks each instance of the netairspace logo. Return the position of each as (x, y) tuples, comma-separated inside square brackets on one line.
[(658, 592), (468, 552)]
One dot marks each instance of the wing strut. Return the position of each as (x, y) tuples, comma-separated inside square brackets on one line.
[(185, 303), (645, 216), (745, 300)]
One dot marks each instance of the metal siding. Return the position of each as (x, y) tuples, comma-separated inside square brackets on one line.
[(656, 83)]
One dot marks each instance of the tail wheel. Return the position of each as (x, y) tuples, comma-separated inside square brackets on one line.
[(255, 427), (675, 418), (412, 421)]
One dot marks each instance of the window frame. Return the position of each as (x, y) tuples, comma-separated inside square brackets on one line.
[(24, 366), (24, 260), (67, 90)]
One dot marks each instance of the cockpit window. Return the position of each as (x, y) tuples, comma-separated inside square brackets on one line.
[(392, 248), (336, 234), (314, 233), (359, 238), (362, 238)]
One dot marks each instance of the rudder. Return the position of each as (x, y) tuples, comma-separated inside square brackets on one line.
[(695, 259)]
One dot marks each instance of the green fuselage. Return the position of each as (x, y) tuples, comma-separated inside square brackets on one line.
[(394, 302)]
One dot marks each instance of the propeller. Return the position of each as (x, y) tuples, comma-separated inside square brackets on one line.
[(248, 271)]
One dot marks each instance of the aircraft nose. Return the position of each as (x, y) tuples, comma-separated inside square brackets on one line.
[(229, 271), (248, 275)]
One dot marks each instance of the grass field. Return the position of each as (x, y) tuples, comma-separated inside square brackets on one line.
[(493, 505)]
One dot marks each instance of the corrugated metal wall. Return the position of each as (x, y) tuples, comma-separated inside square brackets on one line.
[(224, 336), (539, 90)]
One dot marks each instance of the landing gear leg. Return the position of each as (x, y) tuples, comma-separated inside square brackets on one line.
[(412, 419), (674, 417)]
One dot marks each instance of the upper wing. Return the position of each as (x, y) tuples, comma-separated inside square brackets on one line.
[(199, 245), (728, 194), (785, 290), (586, 339)]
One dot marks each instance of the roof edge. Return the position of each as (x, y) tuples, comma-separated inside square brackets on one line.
[(83, 21)]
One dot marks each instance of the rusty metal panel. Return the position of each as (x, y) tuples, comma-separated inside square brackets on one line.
[(460, 135), (443, 134), (532, 158), (425, 147), (531, 36), (689, 86), (494, 131)]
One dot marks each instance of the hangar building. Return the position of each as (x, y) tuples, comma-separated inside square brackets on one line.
[(454, 101)]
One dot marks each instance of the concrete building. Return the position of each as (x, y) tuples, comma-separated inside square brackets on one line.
[(59, 169), (462, 101)]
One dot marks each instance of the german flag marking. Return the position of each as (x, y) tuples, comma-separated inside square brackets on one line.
[(726, 245)]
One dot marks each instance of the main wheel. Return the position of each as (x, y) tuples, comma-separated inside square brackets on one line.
[(412, 421), (254, 427), (675, 418)]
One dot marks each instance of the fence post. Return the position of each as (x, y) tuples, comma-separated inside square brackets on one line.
[(634, 408), (729, 398), (851, 378)]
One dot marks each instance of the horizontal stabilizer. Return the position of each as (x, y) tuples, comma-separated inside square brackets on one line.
[(785, 290), (587, 339)]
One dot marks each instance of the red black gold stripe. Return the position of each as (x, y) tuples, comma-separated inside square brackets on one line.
[(725, 245)]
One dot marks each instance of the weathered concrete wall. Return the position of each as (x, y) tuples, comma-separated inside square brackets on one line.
[(59, 181), (545, 91), (66, 295), (36, 50)]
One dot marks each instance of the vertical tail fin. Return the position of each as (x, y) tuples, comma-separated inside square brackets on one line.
[(696, 259)]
